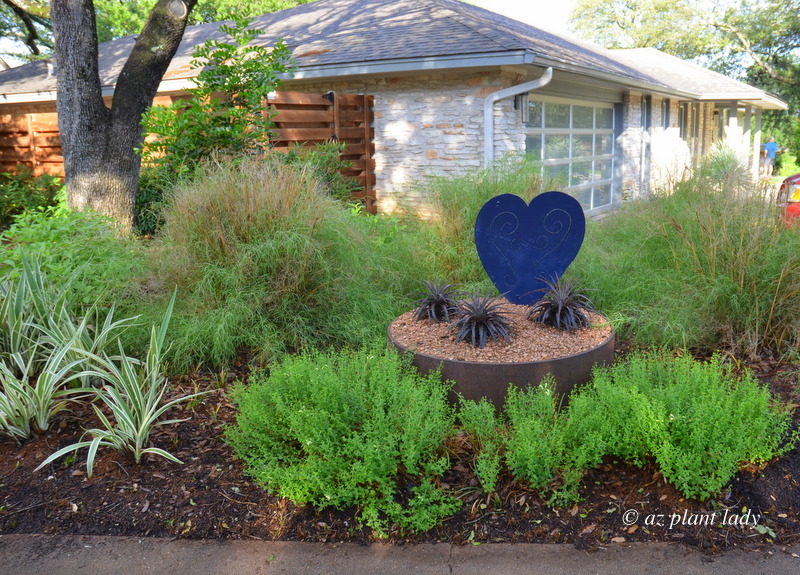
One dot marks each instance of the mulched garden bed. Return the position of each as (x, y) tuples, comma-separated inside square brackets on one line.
[(210, 496)]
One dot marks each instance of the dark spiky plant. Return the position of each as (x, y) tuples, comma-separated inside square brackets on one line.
[(563, 306), (439, 302), (481, 317)]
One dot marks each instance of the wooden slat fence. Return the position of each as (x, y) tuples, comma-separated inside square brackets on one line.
[(29, 133), (313, 118), (30, 139)]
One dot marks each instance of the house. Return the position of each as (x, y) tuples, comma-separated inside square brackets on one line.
[(455, 87)]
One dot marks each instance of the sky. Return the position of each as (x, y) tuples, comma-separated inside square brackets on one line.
[(552, 15)]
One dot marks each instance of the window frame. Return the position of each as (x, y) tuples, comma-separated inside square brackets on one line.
[(602, 167)]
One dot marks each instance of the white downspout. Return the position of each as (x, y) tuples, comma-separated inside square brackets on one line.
[(488, 110)]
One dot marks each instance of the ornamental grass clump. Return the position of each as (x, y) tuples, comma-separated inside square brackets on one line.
[(133, 393), (29, 400), (267, 263), (705, 264), (563, 306), (481, 317), (352, 428)]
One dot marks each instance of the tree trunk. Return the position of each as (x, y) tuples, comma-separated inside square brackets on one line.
[(100, 162)]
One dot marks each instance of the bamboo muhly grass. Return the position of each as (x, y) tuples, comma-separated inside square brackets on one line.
[(708, 265), (266, 262)]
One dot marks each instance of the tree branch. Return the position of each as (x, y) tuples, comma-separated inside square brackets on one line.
[(150, 57), (761, 62), (29, 21)]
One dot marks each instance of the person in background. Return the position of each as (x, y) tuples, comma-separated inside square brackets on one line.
[(770, 149)]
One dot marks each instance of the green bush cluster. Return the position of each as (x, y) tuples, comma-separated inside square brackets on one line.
[(80, 251), (359, 428), (486, 432), (698, 421), (21, 192), (267, 262), (349, 429)]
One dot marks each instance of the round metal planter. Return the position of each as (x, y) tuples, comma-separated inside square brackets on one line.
[(474, 380)]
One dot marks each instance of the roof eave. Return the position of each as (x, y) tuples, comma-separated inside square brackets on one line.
[(760, 100), (617, 79), (28, 97), (422, 64)]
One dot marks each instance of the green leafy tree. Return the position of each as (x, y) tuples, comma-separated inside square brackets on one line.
[(219, 10), (117, 18), (226, 111), (757, 41), (27, 22), (730, 37), (99, 143)]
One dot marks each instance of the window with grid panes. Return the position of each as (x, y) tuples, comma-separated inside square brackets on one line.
[(575, 145)]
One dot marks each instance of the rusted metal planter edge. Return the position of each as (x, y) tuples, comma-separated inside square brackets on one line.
[(474, 380)]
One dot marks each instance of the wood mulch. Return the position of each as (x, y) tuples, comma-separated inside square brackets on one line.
[(210, 496)]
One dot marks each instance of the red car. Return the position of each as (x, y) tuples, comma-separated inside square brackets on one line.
[(789, 192)]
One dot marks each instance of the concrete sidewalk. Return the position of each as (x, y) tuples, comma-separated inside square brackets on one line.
[(60, 555)]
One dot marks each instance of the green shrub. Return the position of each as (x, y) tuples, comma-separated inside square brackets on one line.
[(699, 421), (348, 429), (715, 422), (324, 160), (706, 266), (223, 113), (265, 261), (536, 449), (485, 430), (78, 250), (21, 192)]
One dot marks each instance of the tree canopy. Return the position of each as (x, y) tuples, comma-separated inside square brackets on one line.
[(756, 41), (730, 37), (27, 22)]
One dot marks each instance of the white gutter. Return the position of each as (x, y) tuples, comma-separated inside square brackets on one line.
[(391, 66), (488, 110)]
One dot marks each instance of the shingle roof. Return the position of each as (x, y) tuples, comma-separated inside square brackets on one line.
[(338, 33), (689, 77)]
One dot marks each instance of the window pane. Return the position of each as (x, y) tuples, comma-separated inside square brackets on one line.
[(602, 196), (556, 147), (533, 147), (556, 177), (581, 146), (585, 198), (582, 117), (581, 173), (556, 116), (535, 114), (605, 118), (603, 170), (605, 144)]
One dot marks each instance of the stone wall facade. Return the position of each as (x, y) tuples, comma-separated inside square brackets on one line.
[(432, 125), (429, 125), (654, 159)]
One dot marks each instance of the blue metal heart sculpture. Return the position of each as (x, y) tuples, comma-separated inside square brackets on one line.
[(519, 244)]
